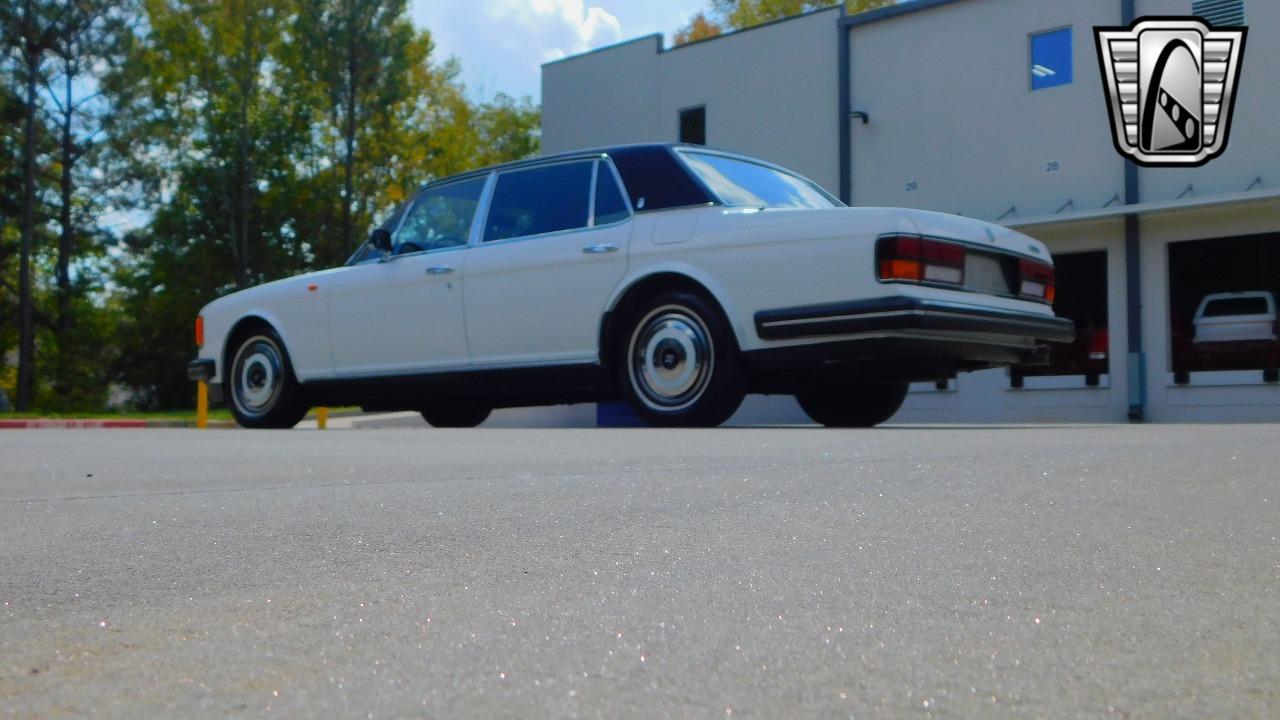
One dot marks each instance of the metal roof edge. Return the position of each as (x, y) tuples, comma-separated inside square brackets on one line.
[(1149, 208), (777, 21), (893, 11), (614, 46)]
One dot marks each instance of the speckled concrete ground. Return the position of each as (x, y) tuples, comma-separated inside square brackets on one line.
[(900, 572)]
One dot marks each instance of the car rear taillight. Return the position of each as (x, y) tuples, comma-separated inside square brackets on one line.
[(1037, 280), (199, 331), (915, 259), (1099, 345)]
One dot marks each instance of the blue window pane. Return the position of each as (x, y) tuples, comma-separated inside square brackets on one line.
[(1051, 59)]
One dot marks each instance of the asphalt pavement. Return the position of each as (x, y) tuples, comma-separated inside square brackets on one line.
[(1111, 571)]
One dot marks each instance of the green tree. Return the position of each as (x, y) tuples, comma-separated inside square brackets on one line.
[(256, 160), (362, 62), (82, 42), (206, 130), (11, 116), (509, 129), (700, 27), (26, 28), (206, 99)]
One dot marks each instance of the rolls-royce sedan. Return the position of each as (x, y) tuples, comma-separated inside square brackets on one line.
[(676, 277)]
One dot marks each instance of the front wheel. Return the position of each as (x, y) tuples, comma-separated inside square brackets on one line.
[(679, 365), (852, 405), (264, 392), (455, 416)]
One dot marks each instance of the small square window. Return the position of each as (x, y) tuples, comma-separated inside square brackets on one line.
[(1051, 59), (693, 125)]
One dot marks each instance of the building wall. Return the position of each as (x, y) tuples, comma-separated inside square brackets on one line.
[(773, 110), (606, 97), (1215, 396), (955, 126)]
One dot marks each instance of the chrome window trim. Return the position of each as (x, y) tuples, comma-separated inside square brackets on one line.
[(591, 194), (607, 162), (555, 233), (482, 210), (420, 253), (476, 237), (683, 207)]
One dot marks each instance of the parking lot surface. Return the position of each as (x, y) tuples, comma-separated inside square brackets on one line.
[(1115, 571)]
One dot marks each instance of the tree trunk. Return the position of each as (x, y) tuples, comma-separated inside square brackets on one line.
[(349, 132), (66, 238), (25, 392), (243, 190)]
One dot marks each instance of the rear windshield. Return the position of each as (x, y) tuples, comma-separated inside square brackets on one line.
[(1237, 306), (745, 183)]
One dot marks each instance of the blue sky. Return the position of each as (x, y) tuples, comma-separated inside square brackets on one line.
[(502, 43)]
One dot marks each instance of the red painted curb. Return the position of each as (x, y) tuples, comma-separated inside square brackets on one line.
[(56, 424)]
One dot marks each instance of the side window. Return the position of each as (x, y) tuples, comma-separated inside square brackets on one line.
[(440, 218), (610, 206), (539, 200)]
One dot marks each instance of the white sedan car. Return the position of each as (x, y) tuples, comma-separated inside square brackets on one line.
[(676, 277)]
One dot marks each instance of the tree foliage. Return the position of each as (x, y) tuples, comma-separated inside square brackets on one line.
[(700, 27), (230, 142)]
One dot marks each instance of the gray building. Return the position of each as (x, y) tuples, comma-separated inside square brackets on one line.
[(992, 109)]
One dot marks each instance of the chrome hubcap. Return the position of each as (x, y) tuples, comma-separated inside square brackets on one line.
[(259, 375), (671, 358)]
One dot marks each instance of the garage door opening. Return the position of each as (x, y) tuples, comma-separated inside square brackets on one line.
[(1081, 297), (1222, 306)]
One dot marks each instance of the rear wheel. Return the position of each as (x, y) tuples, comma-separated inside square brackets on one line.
[(679, 365), (852, 404), (264, 392), (455, 416)]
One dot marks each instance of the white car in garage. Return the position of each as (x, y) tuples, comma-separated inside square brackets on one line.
[(1237, 317), (677, 277)]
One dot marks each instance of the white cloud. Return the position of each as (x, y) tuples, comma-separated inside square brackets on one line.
[(571, 25), (503, 43)]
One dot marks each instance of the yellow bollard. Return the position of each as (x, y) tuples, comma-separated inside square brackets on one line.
[(202, 405), (322, 418)]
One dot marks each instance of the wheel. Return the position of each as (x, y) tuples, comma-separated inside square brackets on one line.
[(455, 416), (679, 364), (852, 404), (264, 392)]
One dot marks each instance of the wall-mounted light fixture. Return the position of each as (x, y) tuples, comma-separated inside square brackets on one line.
[(864, 117)]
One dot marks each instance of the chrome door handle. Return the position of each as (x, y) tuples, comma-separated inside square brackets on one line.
[(600, 249), (439, 270)]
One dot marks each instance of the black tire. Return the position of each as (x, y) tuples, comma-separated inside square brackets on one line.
[(263, 391), (852, 404), (654, 368), (456, 416)]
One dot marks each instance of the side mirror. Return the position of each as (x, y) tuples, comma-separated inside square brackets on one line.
[(380, 239)]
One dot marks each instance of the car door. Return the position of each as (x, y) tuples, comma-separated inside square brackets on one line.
[(553, 248), (403, 313)]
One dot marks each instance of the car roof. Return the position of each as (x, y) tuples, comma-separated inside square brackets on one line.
[(1244, 294), (595, 152)]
